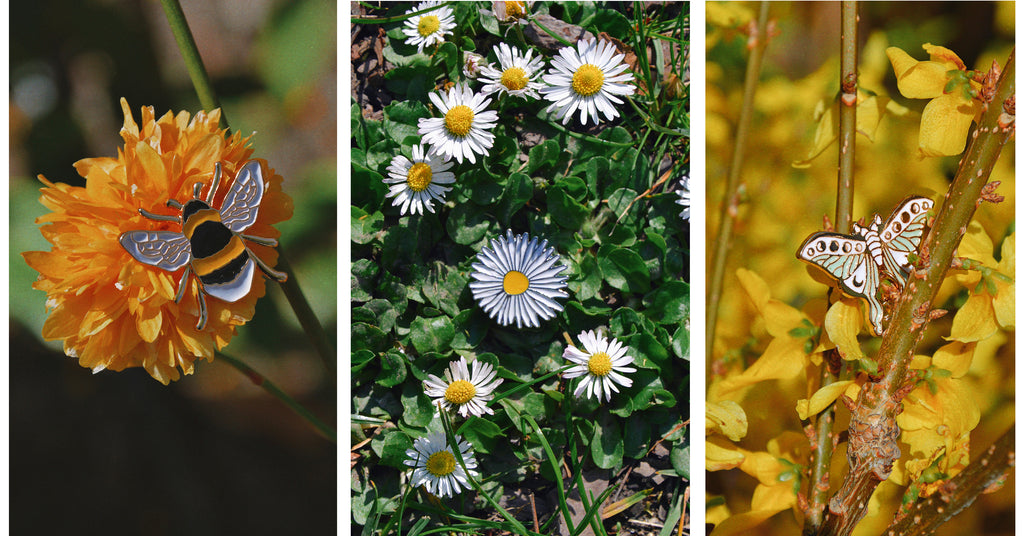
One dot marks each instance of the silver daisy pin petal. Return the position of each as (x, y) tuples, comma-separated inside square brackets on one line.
[(517, 280)]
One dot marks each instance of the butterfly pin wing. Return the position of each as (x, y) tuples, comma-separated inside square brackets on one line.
[(846, 258), (902, 236)]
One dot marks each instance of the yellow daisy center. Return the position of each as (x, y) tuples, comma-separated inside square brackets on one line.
[(458, 120), (587, 80), (420, 176), (515, 283), (441, 463), (460, 392), (514, 78), (600, 364), (428, 25), (515, 9)]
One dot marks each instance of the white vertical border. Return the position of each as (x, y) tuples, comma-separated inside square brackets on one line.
[(344, 343), (698, 266)]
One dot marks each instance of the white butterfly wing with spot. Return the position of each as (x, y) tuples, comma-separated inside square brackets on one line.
[(846, 258), (902, 236)]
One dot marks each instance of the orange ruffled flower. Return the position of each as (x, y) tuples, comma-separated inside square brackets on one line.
[(111, 311)]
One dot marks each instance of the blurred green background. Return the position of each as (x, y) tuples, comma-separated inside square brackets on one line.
[(118, 453)]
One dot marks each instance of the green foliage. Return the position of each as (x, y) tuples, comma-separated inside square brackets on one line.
[(601, 200)]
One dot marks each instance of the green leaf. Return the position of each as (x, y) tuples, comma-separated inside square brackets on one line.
[(402, 118), (606, 447), (669, 303), (368, 337), (385, 313), (468, 223), (619, 204), (470, 329), (483, 189), (432, 334), (681, 342), (417, 409), (565, 210), (490, 25), (368, 187), (412, 238), (679, 457), (443, 286), (393, 369), (613, 23), (518, 190), (364, 273), (624, 270), (596, 172), (543, 154), (365, 226), (391, 449), (588, 284), (482, 434)]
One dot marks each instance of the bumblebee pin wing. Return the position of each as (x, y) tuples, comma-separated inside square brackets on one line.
[(242, 203), (166, 250)]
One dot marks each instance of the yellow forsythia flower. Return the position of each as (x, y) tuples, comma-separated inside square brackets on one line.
[(111, 311), (948, 115)]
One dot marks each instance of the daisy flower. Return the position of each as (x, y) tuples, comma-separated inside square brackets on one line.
[(587, 78), (684, 197), (602, 364), (516, 280), (465, 128), (518, 74), (511, 11), (469, 392), (435, 467), (111, 311), (428, 28), (471, 64), (415, 184)]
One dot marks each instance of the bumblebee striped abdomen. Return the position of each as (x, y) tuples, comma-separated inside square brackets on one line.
[(211, 244)]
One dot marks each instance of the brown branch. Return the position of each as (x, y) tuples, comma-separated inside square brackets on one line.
[(983, 475), (873, 420)]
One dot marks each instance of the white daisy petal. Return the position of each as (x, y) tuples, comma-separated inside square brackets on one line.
[(601, 364), (435, 466), (428, 29), (585, 79), (412, 181)]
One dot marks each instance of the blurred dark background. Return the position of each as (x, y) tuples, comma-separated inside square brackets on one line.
[(119, 453)]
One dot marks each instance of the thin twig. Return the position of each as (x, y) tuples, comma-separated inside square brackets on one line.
[(821, 461), (273, 389), (730, 200)]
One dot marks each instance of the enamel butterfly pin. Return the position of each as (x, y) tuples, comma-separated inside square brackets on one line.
[(858, 261)]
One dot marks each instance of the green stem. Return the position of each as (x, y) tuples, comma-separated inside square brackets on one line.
[(193, 61), (817, 483), (396, 18), (208, 99), (731, 199), (273, 389), (307, 319)]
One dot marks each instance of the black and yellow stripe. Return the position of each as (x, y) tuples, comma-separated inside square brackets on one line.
[(218, 255)]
